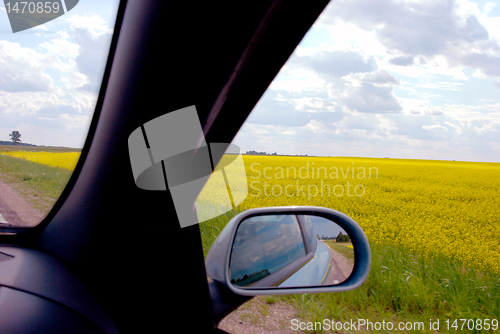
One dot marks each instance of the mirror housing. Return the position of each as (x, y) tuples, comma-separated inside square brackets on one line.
[(218, 259)]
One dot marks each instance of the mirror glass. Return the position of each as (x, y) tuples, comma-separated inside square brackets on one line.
[(287, 250)]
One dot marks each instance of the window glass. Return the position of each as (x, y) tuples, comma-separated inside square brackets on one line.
[(50, 76), (389, 112), (263, 245)]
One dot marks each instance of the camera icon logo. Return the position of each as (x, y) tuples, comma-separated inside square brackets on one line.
[(165, 154)]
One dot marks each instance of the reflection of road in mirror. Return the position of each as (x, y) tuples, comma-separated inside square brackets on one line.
[(340, 266)]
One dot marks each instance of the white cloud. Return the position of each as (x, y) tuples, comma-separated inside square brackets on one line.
[(297, 85), (402, 61), (492, 127), (21, 69), (435, 127), (315, 104), (378, 78), (369, 98), (450, 29), (488, 7), (51, 113), (60, 47), (456, 86), (419, 107), (95, 24), (395, 78)]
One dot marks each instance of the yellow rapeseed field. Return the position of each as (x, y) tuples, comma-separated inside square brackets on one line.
[(446, 207), (66, 160)]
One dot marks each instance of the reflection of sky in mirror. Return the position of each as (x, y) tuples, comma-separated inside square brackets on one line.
[(325, 227), (269, 243)]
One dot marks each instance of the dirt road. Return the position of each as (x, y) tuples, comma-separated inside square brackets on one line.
[(14, 210), (340, 268)]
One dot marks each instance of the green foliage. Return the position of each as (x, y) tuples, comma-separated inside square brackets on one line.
[(433, 230), (39, 184), (210, 229), (343, 238), (15, 136), (404, 286)]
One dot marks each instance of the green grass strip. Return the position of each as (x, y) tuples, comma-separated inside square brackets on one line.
[(39, 184)]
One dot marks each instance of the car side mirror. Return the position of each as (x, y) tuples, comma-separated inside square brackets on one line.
[(289, 250)]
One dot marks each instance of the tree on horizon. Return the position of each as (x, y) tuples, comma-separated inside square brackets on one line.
[(15, 136)]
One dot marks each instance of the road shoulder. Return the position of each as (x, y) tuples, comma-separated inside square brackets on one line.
[(259, 316), (10, 199)]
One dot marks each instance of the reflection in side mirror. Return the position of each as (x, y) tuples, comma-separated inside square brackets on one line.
[(290, 251)]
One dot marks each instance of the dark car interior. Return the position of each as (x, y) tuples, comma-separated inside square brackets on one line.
[(110, 257)]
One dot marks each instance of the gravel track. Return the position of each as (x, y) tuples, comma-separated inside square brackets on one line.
[(14, 209)]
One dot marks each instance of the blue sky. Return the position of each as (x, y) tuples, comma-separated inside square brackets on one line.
[(50, 75), (402, 79)]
